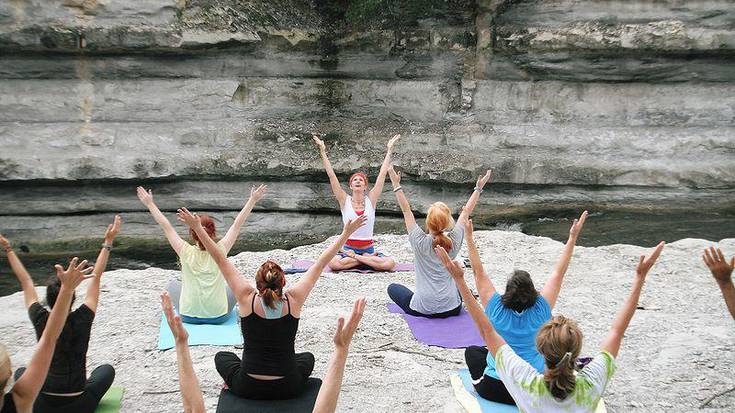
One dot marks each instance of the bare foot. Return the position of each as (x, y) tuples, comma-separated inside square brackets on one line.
[(350, 253)]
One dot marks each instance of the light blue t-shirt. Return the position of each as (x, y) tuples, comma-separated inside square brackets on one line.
[(518, 330)]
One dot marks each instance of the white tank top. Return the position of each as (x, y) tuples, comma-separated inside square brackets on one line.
[(365, 232)]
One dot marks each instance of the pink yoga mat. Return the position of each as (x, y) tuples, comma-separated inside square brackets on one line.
[(303, 265), (451, 332)]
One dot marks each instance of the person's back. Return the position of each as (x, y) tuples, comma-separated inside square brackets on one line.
[(203, 288), (435, 292), (68, 370), (518, 329), (531, 394), (268, 341)]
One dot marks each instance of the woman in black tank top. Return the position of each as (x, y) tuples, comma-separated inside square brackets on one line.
[(26, 388), (270, 367)]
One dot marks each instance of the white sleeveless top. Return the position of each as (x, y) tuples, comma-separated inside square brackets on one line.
[(365, 232)]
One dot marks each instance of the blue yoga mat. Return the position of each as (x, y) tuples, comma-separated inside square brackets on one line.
[(471, 401), (225, 334)]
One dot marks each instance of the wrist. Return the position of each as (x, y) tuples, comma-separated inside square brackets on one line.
[(724, 282), (478, 189), (8, 249), (107, 245)]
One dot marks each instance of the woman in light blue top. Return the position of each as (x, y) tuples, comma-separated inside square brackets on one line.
[(516, 315)]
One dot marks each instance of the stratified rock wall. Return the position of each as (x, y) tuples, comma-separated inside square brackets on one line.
[(629, 97)]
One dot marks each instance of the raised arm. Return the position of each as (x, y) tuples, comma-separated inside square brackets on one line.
[(93, 289), (237, 284), (485, 286), (493, 341), (551, 289), (722, 272), (26, 282), (472, 202), (27, 387), (337, 190), (146, 197), (231, 236), (395, 180), (377, 190), (611, 344), (300, 291), (326, 400), (191, 393)]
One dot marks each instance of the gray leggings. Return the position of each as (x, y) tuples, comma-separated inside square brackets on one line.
[(174, 291)]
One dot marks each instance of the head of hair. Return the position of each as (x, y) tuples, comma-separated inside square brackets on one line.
[(361, 175), (520, 292), (52, 292), (438, 220), (5, 370), (269, 280), (554, 340), (208, 224)]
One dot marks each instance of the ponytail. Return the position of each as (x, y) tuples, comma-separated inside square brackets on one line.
[(269, 281), (438, 220), (560, 342)]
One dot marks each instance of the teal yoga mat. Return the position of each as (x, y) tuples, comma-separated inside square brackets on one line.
[(225, 334), (470, 400)]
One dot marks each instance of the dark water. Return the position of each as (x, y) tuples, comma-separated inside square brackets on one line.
[(605, 228)]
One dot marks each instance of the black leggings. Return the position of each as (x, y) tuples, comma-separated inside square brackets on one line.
[(488, 387), (401, 295), (229, 366), (97, 385)]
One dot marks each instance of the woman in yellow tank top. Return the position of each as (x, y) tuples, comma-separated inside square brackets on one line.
[(202, 296)]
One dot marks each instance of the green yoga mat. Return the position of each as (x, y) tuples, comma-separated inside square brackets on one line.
[(110, 403)]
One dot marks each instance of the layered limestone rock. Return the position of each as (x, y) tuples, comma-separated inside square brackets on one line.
[(596, 103)]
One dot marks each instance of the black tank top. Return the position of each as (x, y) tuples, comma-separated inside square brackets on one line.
[(269, 343)]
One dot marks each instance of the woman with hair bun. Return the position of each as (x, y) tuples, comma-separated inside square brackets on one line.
[(517, 314), (559, 341), (269, 318), (359, 250), (436, 294), (202, 296)]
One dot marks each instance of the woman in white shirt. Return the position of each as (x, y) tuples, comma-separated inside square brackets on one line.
[(559, 388), (359, 251)]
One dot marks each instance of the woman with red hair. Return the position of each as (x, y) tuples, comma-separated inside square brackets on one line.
[(436, 294), (202, 296), (359, 251)]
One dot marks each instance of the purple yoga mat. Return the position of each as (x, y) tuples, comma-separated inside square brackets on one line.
[(451, 332), (303, 265)]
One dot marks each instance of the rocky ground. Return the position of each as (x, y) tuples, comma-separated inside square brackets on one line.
[(677, 353)]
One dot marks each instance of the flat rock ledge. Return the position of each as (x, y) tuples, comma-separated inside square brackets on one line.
[(677, 353)]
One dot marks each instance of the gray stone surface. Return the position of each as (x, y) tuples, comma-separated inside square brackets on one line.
[(606, 104), (676, 352)]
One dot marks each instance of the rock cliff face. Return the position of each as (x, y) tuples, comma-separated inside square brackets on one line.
[(622, 104)]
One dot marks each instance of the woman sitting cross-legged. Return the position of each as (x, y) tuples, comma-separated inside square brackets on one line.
[(516, 315), (559, 341), (359, 250), (22, 395), (436, 294), (202, 296), (326, 402), (270, 368), (67, 388)]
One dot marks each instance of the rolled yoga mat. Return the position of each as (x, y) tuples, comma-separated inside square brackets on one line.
[(451, 332), (229, 403)]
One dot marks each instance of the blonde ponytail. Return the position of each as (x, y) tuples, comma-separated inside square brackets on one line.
[(560, 342), (438, 220)]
